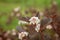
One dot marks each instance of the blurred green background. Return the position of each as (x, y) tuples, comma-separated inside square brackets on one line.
[(6, 6)]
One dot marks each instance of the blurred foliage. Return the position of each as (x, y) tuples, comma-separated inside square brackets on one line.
[(8, 5)]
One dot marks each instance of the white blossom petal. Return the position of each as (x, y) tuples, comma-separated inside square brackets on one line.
[(37, 28), (48, 27), (22, 22), (23, 34)]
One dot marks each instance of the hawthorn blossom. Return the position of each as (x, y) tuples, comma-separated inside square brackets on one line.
[(17, 9), (49, 27), (37, 28), (22, 34), (34, 20), (22, 22)]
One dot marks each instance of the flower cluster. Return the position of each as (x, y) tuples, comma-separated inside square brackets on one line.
[(23, 34), (34, 20)]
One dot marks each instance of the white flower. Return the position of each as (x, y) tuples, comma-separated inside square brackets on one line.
[(22, 22), (48, 27), (17, 9), (26, 33), (37, 28), (22, 34), (34, 20)]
